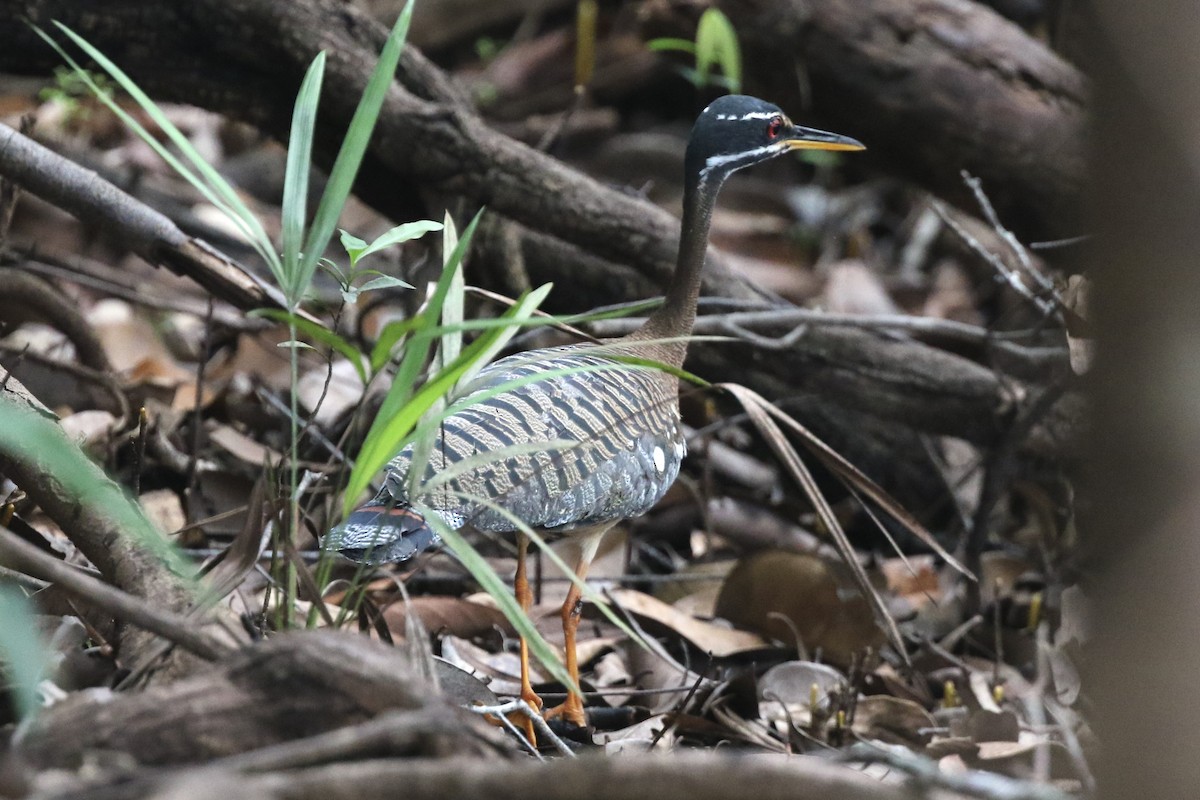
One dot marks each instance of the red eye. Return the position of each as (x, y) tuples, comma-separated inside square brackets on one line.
[(774, 127)]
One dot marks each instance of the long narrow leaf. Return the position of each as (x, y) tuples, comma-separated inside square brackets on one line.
[(756, 408), (399, 235), (418, 349), (589, 594), (521, 316), (453, 306), (210, 183), (389, 337), (403, 386), (383, 441), (499, 591), (354, 146), (318, 333), (22, 652), (295, 182)]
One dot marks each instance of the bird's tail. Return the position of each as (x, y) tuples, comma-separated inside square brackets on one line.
[(379, 533)]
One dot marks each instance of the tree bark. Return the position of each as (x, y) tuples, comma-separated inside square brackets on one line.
[(290, 687), (932, 87), (245, 58)]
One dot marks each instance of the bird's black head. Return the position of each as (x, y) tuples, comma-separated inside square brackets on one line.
[(736, 131)]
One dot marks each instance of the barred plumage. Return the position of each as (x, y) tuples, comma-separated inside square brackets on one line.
[(619, 426), (612, 447)]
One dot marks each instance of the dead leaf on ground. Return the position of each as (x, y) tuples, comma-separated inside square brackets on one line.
[(821, 604), (242, 446), (707, 636), (914, 578), (637, 738), (501, 671), (893, 720), (450, 615), (164, 509)]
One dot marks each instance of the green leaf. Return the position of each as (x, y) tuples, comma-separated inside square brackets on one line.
[(205, 179), (377, 449), (384, 282), (354, 146), (400, 234), (717, 43), (295, 344), (317, 333), (517, 319), (391, 334), (499, 591), (352, 245), (389, 430), (22, 653), (667, 43), (452, 307), (294, 212)]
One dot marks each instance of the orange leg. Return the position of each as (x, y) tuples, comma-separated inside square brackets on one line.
[(525, 598), (572, 709)]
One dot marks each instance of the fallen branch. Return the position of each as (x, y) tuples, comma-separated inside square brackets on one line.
[(23, 557), (283, 690), (90, 508), (97, 203)]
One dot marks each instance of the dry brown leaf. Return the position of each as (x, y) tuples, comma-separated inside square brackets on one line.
[(451, 615), (335, 388), (853, 288), (460, 687), (501, 671), (90, 430), (164, 508), (893, 720), (658, 670), (638, 737), (914, 578), (707, 636), (242, 446), (817, 598)]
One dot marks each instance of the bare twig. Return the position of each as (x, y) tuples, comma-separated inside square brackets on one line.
[(519, 706), (394, 732), (927, 774), (94, 201), (24, 557), (750, 325)]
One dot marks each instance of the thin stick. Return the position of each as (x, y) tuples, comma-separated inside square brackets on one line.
[(24, 557)]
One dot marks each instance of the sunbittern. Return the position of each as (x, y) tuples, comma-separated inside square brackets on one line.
[(622, 421)]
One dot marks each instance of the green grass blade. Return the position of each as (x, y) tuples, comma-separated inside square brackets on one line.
[(294, 212), (667, 43), (588, 592), (399, 235), (318, 333), (520, 316), (389, 337), (22, 652), (499, 591), (388, 434), (354, 146), (717, 43), (452, 307), (418, 349), (404, 384), (207, 180)]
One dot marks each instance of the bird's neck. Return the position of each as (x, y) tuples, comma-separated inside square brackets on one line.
[(674, 318)]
